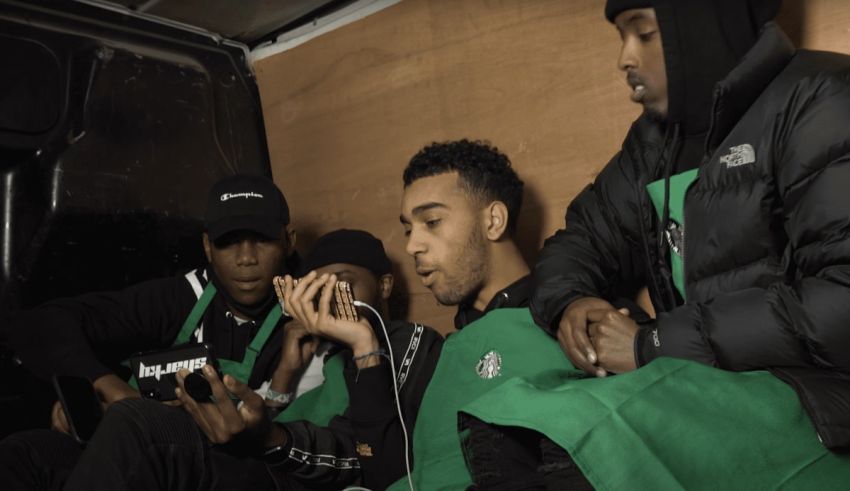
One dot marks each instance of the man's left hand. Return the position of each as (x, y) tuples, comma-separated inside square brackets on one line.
[(221, 420), (298, 347), (612, 333)]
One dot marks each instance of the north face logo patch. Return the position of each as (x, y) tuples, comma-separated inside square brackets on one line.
[(739, 155)]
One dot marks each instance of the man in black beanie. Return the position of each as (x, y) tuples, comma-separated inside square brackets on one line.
[(728, 200), (359, 258)]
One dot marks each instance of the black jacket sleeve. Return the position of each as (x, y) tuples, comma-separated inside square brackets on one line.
[(317, 457), (376, 425), (91, 334), (804, 320), (597, 253)]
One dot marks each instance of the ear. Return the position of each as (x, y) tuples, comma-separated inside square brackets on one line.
[(385, 285), (496, 220), (207, 247)]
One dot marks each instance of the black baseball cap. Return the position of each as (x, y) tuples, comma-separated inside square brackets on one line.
[(243, 202), (355, 247)]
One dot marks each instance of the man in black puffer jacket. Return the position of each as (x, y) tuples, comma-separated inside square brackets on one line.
[(748, 264), (729, 201)]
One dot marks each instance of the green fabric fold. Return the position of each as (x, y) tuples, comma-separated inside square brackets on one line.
[(673, 424)]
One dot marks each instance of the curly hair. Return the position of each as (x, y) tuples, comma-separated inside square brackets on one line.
[(485, 173)]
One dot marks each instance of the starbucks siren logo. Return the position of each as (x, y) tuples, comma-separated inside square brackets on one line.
[(489, 366)]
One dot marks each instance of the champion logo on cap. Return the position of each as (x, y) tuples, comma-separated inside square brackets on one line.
[(250, 194), (247, 203)]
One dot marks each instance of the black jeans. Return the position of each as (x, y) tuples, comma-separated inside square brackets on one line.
[(139, 445), (507, 458), (37, 459)]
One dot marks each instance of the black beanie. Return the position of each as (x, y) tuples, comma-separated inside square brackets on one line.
[(350, 247), (614, 7)]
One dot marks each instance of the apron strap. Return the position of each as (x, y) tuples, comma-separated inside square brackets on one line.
[(195, 315), (191, 322), (241, 371), (260, 339)]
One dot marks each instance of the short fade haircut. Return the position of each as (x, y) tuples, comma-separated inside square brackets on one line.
[(485, 173)]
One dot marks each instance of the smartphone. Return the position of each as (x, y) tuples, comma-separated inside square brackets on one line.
[(342, 301), (80, 403), (279, 286), (156, 371)]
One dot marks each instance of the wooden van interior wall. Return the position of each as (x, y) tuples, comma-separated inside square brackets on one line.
[(345, 111)]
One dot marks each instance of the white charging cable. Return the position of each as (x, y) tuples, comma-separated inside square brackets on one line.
[(395, 389)]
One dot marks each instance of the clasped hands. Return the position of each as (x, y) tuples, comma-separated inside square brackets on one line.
[(597, 337)]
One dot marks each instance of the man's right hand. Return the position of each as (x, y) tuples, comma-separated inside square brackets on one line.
[(222, 420), (358, 336), (298, 347), (573, 337)]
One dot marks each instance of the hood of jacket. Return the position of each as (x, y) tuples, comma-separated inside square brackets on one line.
[(703, 40)]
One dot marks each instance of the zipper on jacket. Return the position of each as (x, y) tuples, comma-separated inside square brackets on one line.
[(684, 246), (715, 101), (645, 239)]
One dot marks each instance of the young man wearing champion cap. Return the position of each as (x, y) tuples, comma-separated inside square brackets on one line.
[(247, 240), (218, 445)]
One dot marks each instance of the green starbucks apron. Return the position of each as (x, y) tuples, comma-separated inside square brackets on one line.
[(320, 404), (675, 233), (240, 370), (503, 344), (673, 424)]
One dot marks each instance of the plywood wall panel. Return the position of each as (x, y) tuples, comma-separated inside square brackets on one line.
[(345, 111)]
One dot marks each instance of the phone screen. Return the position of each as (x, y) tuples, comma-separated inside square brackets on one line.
[(80, 403)]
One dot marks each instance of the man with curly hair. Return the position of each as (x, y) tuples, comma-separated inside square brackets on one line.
[(459, 212)]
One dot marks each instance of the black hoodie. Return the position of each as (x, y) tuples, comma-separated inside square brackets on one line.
[(697, 55), (766, 254)]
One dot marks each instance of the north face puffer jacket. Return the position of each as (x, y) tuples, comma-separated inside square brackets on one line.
[(767, 233)]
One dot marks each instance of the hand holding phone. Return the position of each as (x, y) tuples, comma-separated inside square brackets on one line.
[(224, 418), (342, 301), (155, 370), (198, 387), (338, 326)]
